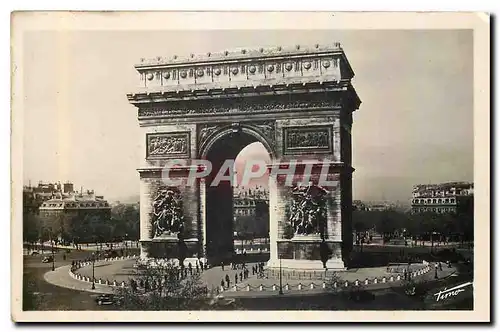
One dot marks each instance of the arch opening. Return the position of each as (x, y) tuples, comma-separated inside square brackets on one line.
[(234, 152)]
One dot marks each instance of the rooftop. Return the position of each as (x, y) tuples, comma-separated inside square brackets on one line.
[(241, 53)]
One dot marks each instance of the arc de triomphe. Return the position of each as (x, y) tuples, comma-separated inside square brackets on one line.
[(297, 102)]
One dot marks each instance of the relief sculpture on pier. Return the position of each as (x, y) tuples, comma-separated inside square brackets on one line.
[(167, 145), (311, 139), (308, 210), (167, 212)]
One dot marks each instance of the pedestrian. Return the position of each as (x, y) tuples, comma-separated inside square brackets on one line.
[(440, 267), (222, 283), (197, 268), (222, 265), (405, 274), (236, 278), (227, 280), (241, 276), (190, 267)]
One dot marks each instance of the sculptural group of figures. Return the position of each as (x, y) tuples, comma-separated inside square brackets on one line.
[(167, 212), (308, 210), (309, 139)]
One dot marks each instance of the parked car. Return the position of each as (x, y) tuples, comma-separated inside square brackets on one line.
[(108, 299), (47, 259), (110, 254), (34, 253)]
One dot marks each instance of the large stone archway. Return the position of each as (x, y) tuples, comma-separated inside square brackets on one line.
[(297, 102)]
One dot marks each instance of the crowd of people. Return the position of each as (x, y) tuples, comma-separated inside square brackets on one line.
[(242, 273)]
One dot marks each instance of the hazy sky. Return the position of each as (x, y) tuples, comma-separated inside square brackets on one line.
[(414, 124)]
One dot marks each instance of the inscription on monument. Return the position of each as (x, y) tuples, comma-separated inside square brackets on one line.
[(312, 139), (167, 145)]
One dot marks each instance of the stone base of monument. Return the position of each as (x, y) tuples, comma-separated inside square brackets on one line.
[(306, 265), (302, 252), (167, 246)]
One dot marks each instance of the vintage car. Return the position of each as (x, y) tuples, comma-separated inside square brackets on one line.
[(108, 299), (47, 259)]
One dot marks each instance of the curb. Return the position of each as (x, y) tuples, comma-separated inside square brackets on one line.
[(322, 286), (100, 281)]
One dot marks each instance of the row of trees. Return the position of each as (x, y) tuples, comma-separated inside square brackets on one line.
[(417, 226), (123, 224)]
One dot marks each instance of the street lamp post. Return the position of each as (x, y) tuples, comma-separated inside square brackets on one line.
[(53, 258), (281, 282), (93, 270), (432, 241), (126, 239)]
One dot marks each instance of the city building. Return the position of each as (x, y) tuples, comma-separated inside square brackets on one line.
[(451, 197), (251, 211), (371, 206), (358, 205), (33, 196), (51, 201), (245, 201), (379, 207)]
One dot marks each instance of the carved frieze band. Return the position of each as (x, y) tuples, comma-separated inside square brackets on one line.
[(308, 139), (168, 145), (210, 107)]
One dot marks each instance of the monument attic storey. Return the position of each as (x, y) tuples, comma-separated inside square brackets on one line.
[(297, 101)]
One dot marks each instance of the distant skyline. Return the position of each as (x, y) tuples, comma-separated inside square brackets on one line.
[(414, 126)]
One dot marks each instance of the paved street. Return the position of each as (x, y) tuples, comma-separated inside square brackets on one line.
[(45, 296), (38, 294)]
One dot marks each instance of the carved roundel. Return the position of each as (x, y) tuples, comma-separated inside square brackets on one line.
[(217, 71), (252, 69), (150, 76), (199, 72), (288, 66), (326, 64), (234, 71), (270, 68), (307, 65), (183, 74), (166, 75)]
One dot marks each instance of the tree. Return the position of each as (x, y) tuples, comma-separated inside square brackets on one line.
[(465, 225), (165, 290), (363, 220), (125, 221), (63, 227), (31, 227)]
